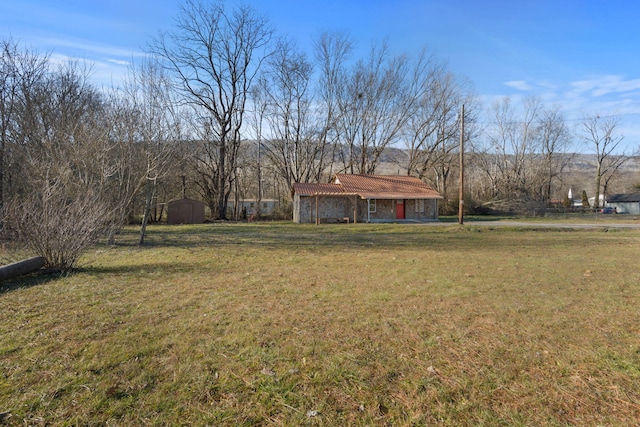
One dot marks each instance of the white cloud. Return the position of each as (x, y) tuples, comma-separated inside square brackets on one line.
[(519, 84), (604, 85), (88, 48), (606, 95), (104, 73), (118, 62)]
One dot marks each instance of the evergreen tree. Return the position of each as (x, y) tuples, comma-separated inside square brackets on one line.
[(585, 199)]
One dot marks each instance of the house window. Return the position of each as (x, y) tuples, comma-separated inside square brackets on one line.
[(420, 206), (372, 206)]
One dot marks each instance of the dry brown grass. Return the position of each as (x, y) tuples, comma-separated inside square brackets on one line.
[(335, 325)]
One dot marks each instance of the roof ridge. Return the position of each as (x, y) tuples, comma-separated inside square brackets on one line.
[(413, 181), (417, 182), (386, 186)]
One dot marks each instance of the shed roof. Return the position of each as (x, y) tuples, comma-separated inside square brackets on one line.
[(371, 187), (185, 200), (618, 198)]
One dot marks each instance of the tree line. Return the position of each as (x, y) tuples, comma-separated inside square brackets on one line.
[(223, 108)]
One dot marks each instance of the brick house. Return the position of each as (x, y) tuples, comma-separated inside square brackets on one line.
[(365, 198)]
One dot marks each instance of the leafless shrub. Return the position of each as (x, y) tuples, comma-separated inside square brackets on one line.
[(55, 226)]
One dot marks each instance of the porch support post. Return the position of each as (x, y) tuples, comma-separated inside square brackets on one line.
[(317, 219), (368, 210), (355, 209)]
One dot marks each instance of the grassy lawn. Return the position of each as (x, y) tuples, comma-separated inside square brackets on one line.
[(281, 324)]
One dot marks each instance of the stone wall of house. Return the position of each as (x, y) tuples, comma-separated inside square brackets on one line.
[(337, 208), (428, 209), (330, 209), (362, 210), (410, 210), (386, 210), (431, 208)]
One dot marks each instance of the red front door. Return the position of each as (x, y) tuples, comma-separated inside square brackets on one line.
[(399, 209)]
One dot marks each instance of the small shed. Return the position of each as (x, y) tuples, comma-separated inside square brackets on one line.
[(185, 211), (625, 203)]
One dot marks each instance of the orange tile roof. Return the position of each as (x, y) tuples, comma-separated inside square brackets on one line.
[(371, 187), (310, 189)]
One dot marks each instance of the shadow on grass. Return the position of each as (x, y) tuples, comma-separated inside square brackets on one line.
[(28, 281), (44, 277), (151, 268), (344, 236)]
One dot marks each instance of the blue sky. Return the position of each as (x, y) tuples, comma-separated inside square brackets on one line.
[(583, 55)]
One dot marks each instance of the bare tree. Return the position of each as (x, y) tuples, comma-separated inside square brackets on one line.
[(512, 144), (525, 153), (292, 147), (332, 51), (20, 71), (432, 135), (375, 103), (430, 126), (554, 139), (257, 119), (599, 134), (121, 163), (157, 128), (214, 54), (294, 118), (59, 206)]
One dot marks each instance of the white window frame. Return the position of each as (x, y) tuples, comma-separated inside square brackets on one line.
[(372, 205), (419, 205)]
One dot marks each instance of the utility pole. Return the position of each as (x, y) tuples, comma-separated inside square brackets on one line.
[(461, 204), (259, 201)]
